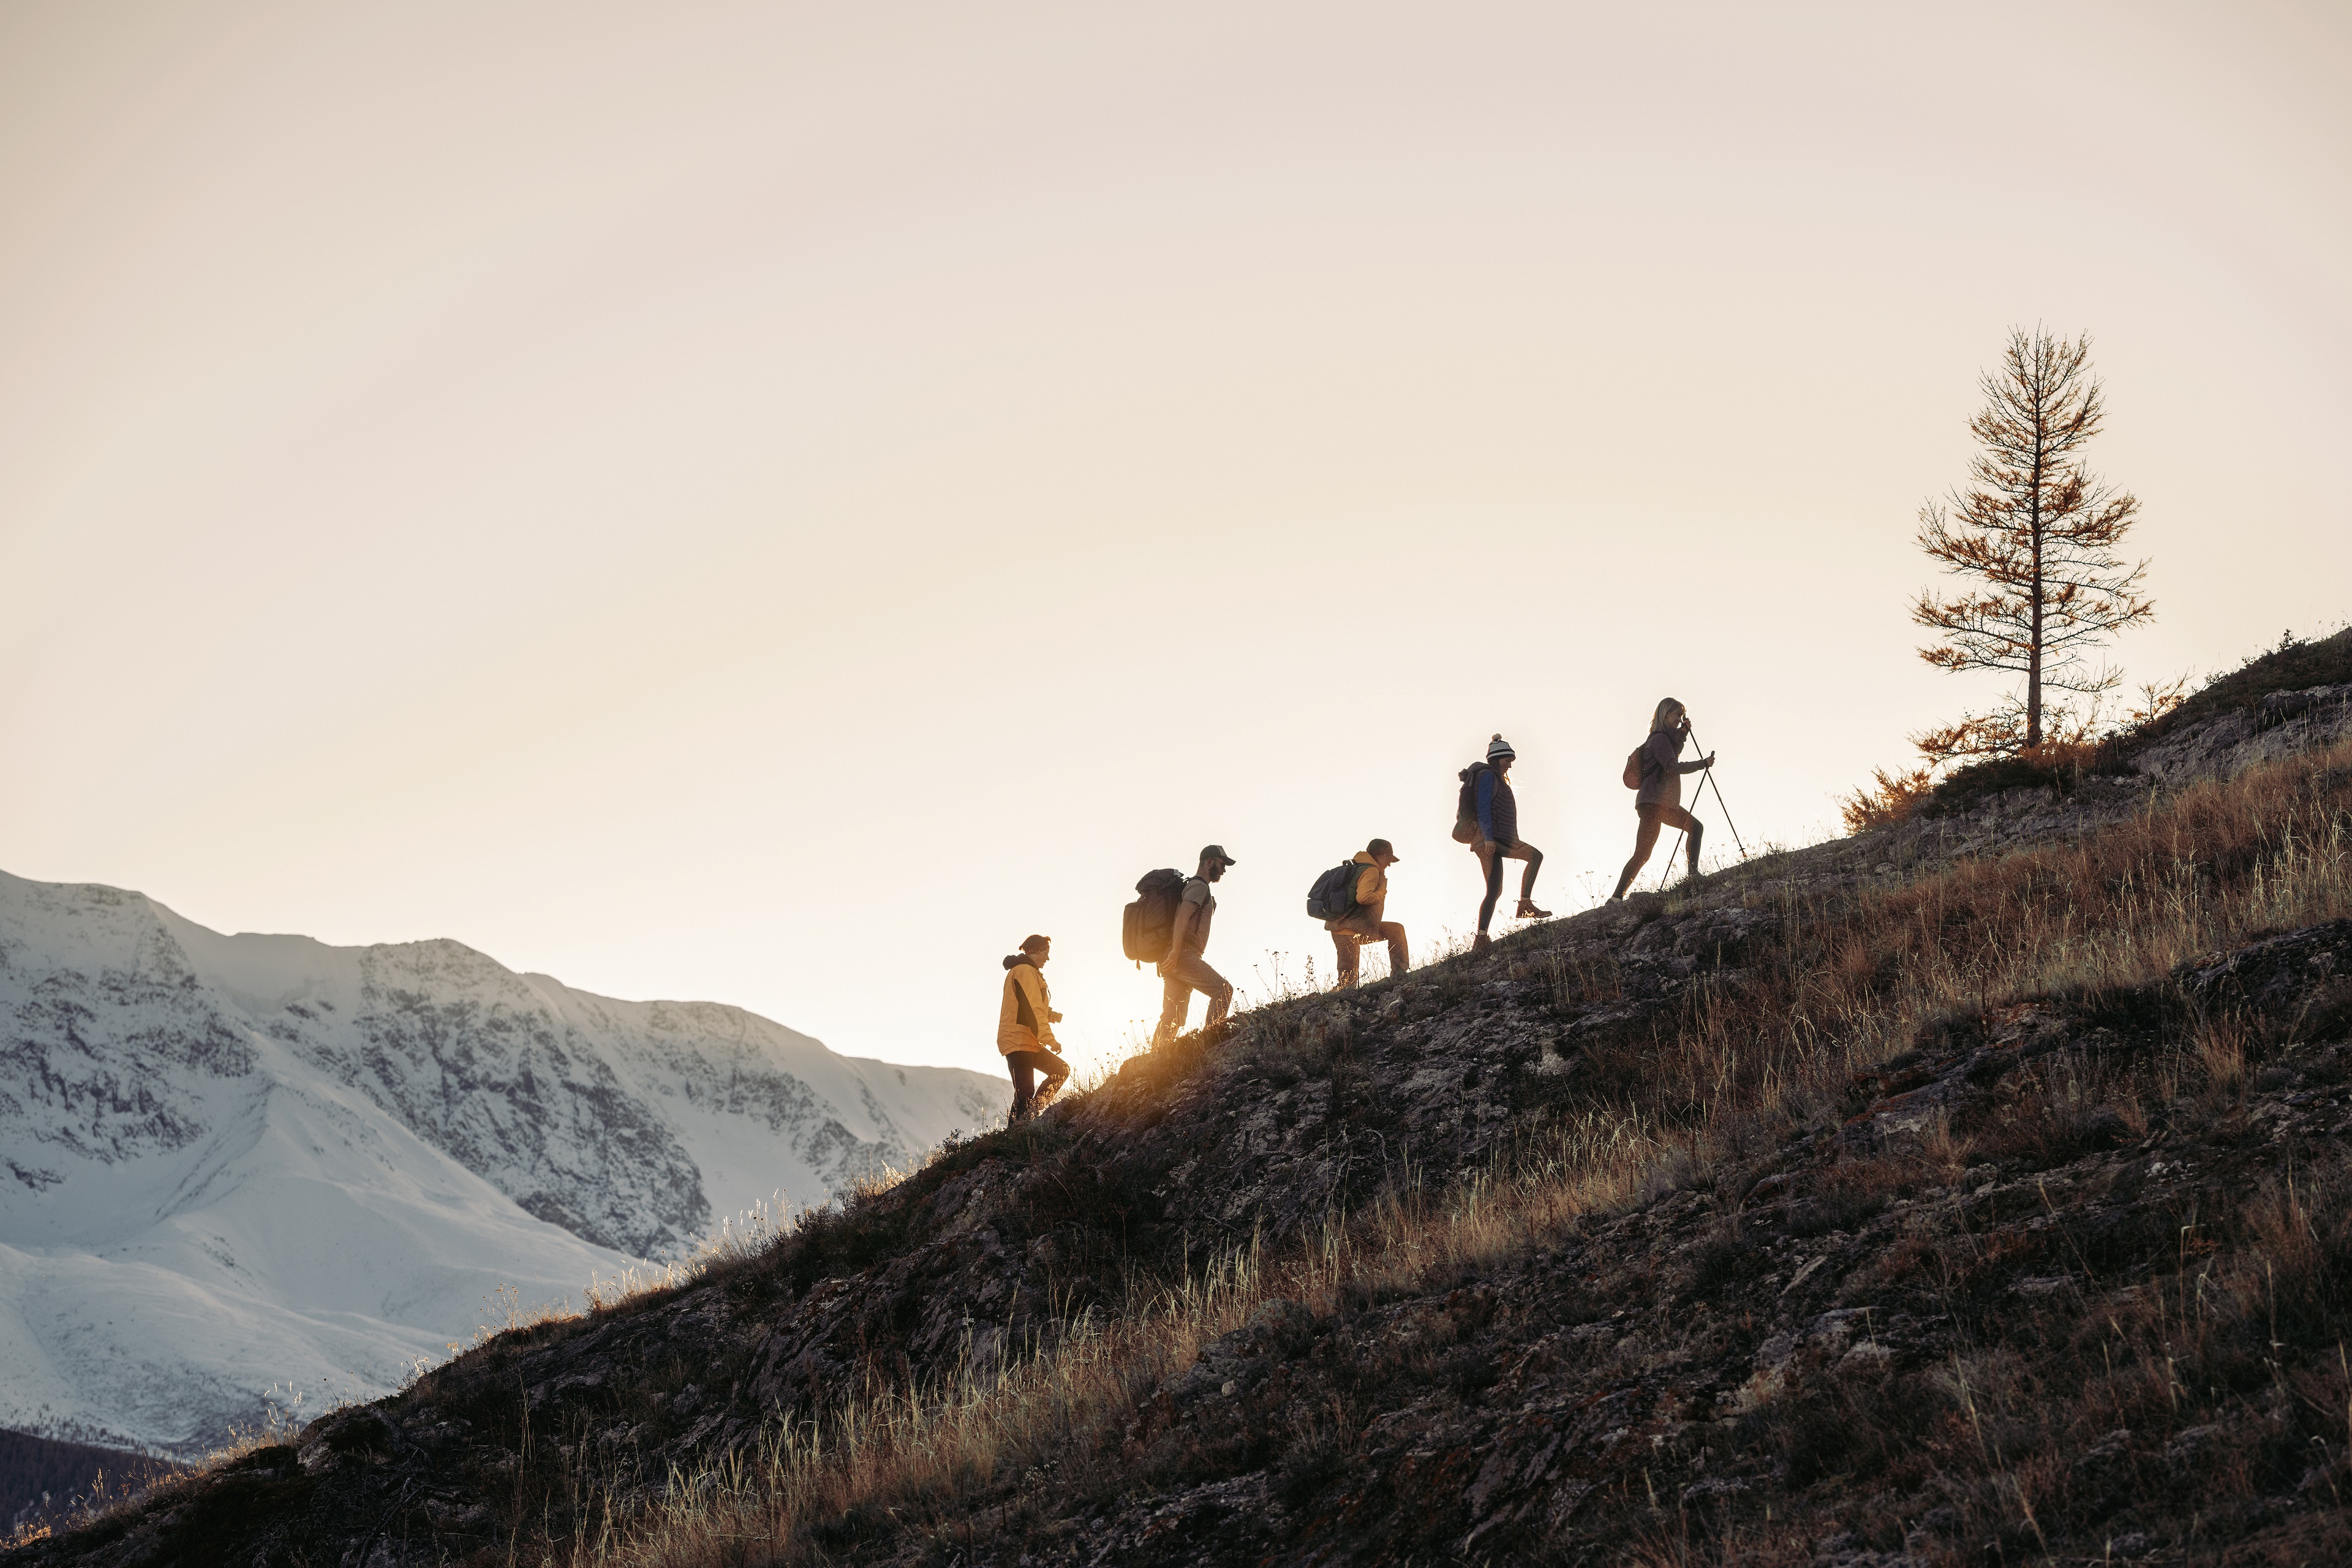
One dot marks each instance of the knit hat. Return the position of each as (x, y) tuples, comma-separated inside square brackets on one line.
[(1499, 748)]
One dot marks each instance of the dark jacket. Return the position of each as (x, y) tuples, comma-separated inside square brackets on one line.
[(1498, 808), (1662, 772)]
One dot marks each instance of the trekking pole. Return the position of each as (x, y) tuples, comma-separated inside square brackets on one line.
[(1719, 800), (1667, 870)]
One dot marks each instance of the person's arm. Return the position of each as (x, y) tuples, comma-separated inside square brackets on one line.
[(1699, 766), (1368, 886), (1032, 985), (1486, 805)]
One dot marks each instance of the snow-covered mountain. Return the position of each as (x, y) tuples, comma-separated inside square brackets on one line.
[(233, 1161)]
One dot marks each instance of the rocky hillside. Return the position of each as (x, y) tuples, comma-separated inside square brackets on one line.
[(1973, 1191), (229, 1163)]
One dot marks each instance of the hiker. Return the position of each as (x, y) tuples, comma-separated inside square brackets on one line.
[(1654, 763), (1362, 924), (1184, 970), (1024, 1029), (1489, 824)]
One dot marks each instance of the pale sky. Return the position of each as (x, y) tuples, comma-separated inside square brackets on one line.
[(773, 503)]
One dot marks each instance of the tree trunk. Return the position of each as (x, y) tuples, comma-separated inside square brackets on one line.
[(2034, 517), (2033, 658)]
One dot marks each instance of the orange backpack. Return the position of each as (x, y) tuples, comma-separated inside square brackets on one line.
[(1634, 766)]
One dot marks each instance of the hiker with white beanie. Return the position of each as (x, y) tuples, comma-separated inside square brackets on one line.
[(1489, 823)]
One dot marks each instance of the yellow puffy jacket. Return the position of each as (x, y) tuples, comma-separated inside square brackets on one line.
[(1024, 992)]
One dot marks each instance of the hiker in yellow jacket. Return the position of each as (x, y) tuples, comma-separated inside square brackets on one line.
[(1024, 1029), (1363, 923)]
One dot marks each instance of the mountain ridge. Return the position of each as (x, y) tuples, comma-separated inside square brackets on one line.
[(338, 1153)]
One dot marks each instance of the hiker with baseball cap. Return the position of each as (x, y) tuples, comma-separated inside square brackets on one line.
[(1024, 1029), (1656, 768), (1184, 970), (1362, 922), (1490, 825)]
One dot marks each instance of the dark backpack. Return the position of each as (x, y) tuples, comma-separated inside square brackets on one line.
[(1334, 892), (1466, 804), (1637, 765), (1150, 921)]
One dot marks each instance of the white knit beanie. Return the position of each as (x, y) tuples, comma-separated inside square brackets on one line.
[(1500, 748)]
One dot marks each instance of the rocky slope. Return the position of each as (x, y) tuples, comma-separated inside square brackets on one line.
[(228, 1162), (2062, 1274)]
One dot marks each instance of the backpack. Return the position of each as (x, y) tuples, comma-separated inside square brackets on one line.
[(1633, 765), (1465, 805), (1150, 923), (1334, 892)]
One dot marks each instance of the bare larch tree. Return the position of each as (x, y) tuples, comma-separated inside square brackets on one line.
[(2038, 535)]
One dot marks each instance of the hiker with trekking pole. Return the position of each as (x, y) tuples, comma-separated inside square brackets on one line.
[(1025, 1030), (1486, 818), (1349, 900), (1655, 768)]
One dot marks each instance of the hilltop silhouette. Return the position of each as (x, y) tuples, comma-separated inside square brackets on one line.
[(1969, 1189)]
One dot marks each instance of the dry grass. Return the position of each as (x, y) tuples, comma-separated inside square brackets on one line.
[(1890, 797), (929, 1454), (2207, 870), (1847, 987)]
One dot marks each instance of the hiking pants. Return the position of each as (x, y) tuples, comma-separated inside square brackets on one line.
[(1349, 936), (1024, 1065), (1654, 815), (1180, 977), (1491, 857)]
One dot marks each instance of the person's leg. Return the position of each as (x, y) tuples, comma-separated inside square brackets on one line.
[(1645, 839), (1196, 974), (1057, 1071), (1692, 827), (1025, 1088), (1175, 1000), (1221, 1001), (1490, 861), (1343, 944), (1527, 852), (1400, 956)]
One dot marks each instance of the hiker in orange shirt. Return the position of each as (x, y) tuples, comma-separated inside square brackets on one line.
[(1362, 924)]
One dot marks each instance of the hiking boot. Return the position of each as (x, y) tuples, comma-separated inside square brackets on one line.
[(1045, 1098), (1480, 942), (1527, 911)]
